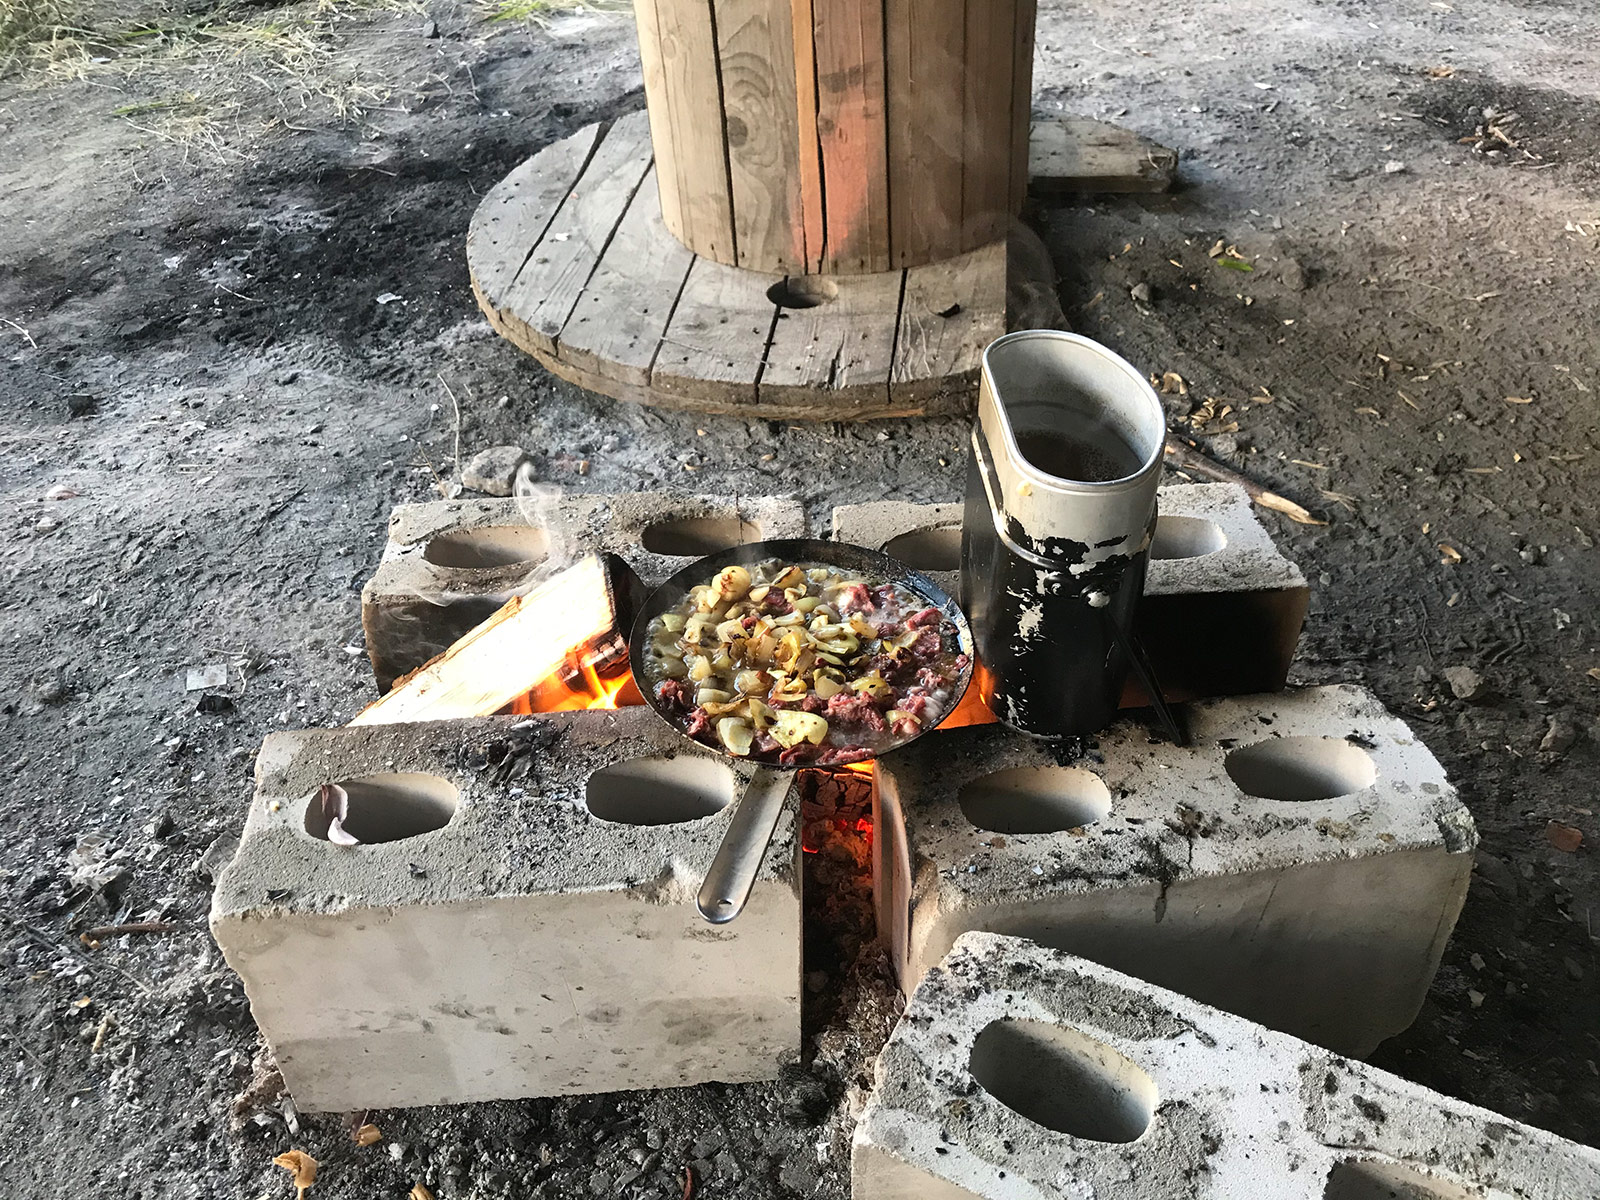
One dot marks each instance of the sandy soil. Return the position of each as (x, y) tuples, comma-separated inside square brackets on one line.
[(192, 344)]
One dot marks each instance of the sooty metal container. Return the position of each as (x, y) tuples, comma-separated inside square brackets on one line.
[(1061, 505)]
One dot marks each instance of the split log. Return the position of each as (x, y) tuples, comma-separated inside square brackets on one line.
[(554, 648)]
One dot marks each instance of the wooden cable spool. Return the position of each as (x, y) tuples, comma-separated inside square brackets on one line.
[(838, 136)]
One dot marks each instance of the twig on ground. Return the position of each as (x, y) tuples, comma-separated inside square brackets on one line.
[(1186, 457), (100, 932), (457, 405), (21, 330)]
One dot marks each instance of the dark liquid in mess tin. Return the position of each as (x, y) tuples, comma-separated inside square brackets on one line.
[(1067, 457)]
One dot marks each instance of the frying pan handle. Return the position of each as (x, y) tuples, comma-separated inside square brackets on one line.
[(733, 872)]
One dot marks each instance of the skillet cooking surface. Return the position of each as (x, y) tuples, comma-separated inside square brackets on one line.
[(798, 551)]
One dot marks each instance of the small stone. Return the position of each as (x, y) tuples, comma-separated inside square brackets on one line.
[(1393, 167), (1559, 738), (46, 524), (430, 29), (493, 471), (1465, 683), (216, 856), (1295, 276), (160, 825), (1476, 997), (81, 405), (1574, 969), (1142, 293), (1477, 962), (50, 690), (816, 981)]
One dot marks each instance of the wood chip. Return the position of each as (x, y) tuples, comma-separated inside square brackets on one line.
[(1519, 399), (368, 1135), (1449, 554), (301, 1166), (1565, 838)]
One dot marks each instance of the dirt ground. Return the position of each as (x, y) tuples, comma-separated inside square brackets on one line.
[(200, 218)]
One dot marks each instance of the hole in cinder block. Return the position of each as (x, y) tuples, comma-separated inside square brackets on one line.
[(1036, 800), (1064, 1080), (1186, 537), (1301, 768), (659, 791), (696, 537), (1372, 1179), (491, 546), (928, 549), (390, 807)]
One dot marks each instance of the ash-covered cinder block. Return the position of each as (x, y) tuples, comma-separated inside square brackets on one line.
[(1302, 863), (520, 920), (1222, 607), (1019, 1071), (450, 564)]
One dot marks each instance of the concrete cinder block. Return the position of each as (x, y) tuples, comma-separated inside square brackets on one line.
[(1021, 1072), (449, 564), (1302, 863), (520, 922), (1222, 608)]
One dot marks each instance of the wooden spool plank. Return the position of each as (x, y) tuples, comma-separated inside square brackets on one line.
[(1076, 154), (518, 209), (548, 286), (716, 342), (952, 310), (843, 347), (927, 102), (807, 145), (687, 50), (852, 134), (1022, 99), (723, 349), (756, 54), (658, 98), (622, 314), (986, 179)]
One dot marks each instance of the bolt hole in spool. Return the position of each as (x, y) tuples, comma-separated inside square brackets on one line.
[(1370, 1179), (1036, 800), (659, 791), (928, 549), (491, 546), (803, 291), (389, 808), (1064, 1080), (1301, 768), (696, 537), (1186, 537)]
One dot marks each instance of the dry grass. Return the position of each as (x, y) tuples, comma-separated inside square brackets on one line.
[(543, 10), (208, 82)]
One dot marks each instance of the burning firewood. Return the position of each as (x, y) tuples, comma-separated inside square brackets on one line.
[(564, 645)]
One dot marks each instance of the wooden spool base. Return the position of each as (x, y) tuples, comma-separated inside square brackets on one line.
[(571, 262)]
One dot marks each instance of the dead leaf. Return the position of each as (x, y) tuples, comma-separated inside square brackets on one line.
[(368, 1135), (1565, 838), (421, 1191), (1440, 72), (1170, 384), (1449, 554), (1288, 508), (1216, 250), (1593, 673), (301, 1166)]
